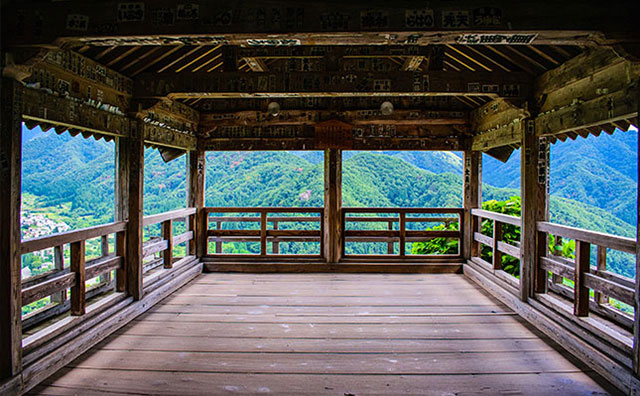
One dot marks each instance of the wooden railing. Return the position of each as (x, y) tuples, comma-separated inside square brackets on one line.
[(395, 221), (604, 284), (166, 242), (496, 243), (55, 283), (245, 221)]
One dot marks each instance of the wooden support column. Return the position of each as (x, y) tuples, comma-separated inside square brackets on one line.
[(332, 205), (10, 259), (534, 191), (133, 258), (195, 199), (122, 207), (472, 196)]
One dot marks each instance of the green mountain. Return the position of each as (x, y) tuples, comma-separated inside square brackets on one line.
[(74, 178)]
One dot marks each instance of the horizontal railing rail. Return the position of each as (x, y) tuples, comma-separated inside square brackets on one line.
[(264, 235), (396, 228)]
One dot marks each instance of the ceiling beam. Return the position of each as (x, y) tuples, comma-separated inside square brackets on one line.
[(496, 124), (211, 121), (255, 22), (323, 84)]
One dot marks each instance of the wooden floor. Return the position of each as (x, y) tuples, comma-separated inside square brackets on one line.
[(334, 334)]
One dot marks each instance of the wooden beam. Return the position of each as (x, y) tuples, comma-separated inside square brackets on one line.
[(583, 66), (607, 108), (10, 200), (321, 84), (196, 172), (497, 123), (170, 113), (472, 196), (332, 227), (210, 121), (294, 23), (135, 165), (256, 64), (43, 107)]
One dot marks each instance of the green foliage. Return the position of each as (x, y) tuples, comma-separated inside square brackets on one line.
[(439, 245)]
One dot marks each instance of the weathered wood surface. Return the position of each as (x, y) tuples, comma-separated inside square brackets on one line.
[(10, 276), (292, 23), (322, 84), (205, 333)]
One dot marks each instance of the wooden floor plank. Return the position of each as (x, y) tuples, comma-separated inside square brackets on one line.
[(128, 342), (336, 334), (72, 382)]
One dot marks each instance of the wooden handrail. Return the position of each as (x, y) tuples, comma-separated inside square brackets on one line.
[(46, 242), (502, 218), (210, 209), (172, 215), (402, 210), (627, 245)]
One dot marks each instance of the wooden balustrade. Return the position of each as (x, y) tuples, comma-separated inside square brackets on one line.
[(167, 240), (401, 235), (56, 282), (496, 244), (587, 278), (264, 235)]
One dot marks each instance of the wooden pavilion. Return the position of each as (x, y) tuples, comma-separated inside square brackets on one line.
[(201, 76)]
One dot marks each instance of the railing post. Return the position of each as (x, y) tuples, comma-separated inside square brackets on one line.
[(104, 251), (403, 233), (195, 199), (263, 232), (10, 258), (58, 262), (78, 290), (472, 195), (332, 205), (601, 263), (167, 235), (121, 250), (191, 245), (556, 279), (497, 237), (218, 243), (534, 190), (390, 244), (581, 296), (275, 245)]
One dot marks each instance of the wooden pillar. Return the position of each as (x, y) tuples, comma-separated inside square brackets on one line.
[(135, 165), (10, 258), (534, 191), (472, 197), (122, 207), (332, 205), (195, 199)]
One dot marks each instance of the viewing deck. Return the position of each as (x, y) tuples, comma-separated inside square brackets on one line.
[(336, 334)]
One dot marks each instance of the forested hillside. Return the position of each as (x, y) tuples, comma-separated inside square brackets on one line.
[(72, 179)]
